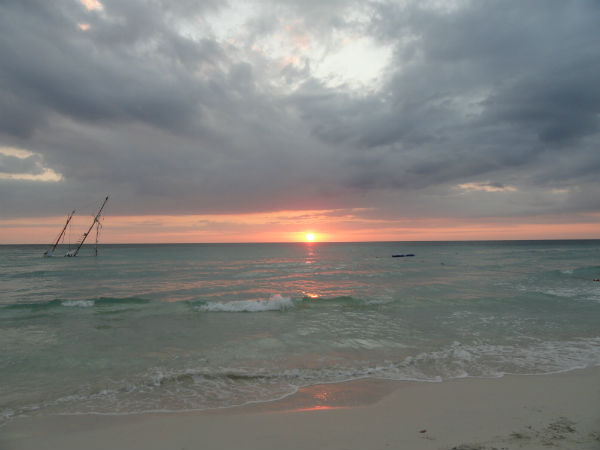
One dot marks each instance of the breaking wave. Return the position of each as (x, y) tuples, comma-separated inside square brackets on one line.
[(275, 303)]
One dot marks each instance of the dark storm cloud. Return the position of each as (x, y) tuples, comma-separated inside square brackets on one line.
[(151, 104), (560, 108), (50, 65), (490, 87)]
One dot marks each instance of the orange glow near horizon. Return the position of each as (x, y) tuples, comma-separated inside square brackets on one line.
[(282, 226)]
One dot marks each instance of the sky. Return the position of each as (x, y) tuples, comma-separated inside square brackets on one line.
[(227, 121)]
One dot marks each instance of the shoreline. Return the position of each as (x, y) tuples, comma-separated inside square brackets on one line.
[(561, 410)]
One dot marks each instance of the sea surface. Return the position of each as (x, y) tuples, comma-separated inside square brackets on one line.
[(142, 328)]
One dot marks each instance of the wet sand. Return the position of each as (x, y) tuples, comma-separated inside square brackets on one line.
[(559, 411)]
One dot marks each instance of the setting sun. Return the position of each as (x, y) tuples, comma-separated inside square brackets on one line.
[(310, 237)]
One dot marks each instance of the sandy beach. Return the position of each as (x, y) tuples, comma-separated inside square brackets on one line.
[(560, 411)]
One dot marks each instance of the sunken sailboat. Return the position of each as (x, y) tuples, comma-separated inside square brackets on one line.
[(74, 251)]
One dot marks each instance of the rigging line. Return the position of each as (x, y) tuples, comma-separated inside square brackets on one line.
[(98, 227)]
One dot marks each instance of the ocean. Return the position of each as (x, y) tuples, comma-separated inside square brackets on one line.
[(149, 328)]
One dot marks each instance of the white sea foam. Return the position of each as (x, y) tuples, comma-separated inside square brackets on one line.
[(460, 360), (79, 303), (275, 303)]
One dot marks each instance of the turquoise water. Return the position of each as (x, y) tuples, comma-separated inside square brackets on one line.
[(180, 327)]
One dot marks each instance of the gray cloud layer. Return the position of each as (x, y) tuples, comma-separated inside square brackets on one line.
[(498, 92)]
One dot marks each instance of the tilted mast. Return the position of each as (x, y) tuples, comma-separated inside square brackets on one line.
[(49, 252), (75, 251)]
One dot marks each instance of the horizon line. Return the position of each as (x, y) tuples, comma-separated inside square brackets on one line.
[(320, 242)]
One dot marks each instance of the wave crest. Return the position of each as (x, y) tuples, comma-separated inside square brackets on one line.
[(274, 303)]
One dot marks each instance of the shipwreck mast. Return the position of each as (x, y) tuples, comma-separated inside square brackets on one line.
[(49, 252), (96, 221)]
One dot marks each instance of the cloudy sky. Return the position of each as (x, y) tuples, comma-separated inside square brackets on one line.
[(226, 121)]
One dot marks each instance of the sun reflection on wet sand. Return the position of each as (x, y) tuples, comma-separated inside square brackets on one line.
[(324, 397), (319, 408)]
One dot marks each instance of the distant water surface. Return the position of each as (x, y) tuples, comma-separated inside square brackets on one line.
[(180, 327)]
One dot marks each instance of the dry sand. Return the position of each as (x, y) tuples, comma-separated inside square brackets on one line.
[(560, 411)]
